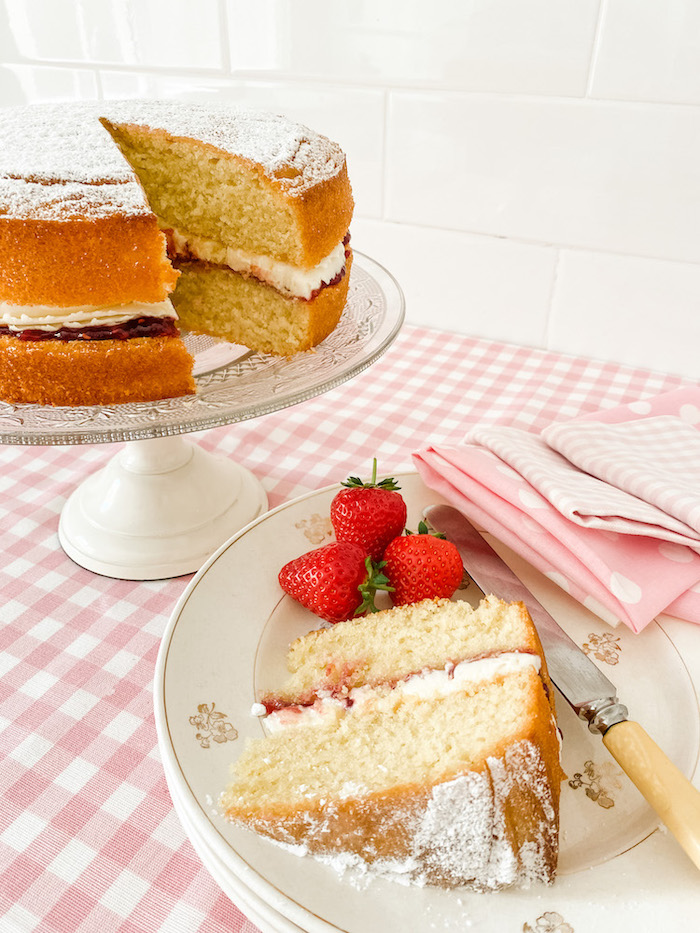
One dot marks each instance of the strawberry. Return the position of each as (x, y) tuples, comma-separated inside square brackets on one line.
[(369, 514), (422, 566), (336, 581)]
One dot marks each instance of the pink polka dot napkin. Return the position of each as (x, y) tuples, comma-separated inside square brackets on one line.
[(607, 506)]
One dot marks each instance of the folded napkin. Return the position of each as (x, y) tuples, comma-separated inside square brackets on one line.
[(607, 506), (587, 494), (650, 468)]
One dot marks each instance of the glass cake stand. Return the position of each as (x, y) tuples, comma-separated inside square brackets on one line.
[(162, 505)]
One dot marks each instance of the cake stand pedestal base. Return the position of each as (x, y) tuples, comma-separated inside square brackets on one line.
[(158, 509)]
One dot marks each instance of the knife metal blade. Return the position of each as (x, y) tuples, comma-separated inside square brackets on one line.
[(588, 690)]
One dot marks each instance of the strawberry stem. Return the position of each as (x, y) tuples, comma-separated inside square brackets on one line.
[(374, 581)]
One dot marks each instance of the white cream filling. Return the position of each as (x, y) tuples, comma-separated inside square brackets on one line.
[(50, 317), (429, 684), (286, 278)]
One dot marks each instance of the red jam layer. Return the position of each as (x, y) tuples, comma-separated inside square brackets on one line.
[(137, 327), (336, 278)]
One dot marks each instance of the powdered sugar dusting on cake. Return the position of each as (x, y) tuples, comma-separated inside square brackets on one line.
[(455, 836), (19, 198), (57, 162), (522, 771), (461, 835), (465, 831), (64, 148), (59, 142), (296, 156)]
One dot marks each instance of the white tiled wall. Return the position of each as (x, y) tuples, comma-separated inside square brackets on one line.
[(528, 171)]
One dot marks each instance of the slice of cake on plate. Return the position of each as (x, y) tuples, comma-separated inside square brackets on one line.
[(419, 742)]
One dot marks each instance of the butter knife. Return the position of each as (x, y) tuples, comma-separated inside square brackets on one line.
[(583, 685)]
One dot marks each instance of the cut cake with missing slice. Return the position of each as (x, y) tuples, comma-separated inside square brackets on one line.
[(256, 211), (419, 742), (252, 208)]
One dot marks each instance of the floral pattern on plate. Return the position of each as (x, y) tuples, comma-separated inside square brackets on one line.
[(212, 726)]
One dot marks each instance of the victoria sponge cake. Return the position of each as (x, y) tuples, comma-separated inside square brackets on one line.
[(122, 222)]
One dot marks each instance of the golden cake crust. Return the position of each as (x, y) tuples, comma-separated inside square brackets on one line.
[(97, 372), (323, 215), (83, 261)]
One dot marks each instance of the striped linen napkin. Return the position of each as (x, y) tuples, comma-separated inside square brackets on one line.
[(607, 506), (647, 474)]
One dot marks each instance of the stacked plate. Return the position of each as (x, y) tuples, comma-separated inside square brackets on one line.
[(248, 902), (226, 643)]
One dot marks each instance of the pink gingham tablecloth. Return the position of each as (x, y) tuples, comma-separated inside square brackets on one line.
[(88, 837)]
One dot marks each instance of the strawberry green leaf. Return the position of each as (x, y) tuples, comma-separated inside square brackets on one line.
[(355, 482), (424, 530)]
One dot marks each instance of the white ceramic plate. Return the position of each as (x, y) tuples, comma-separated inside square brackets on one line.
[(227, 641), (253, 906)]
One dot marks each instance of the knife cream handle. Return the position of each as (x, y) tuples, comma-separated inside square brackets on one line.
[(668, 791)]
